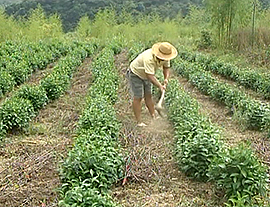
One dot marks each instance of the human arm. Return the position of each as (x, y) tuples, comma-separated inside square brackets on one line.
[(155, 81), (166, 74)]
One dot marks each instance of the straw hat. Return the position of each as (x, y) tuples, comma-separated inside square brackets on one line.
[(164, 51)]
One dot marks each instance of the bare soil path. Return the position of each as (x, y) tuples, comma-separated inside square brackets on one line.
[(153, 178), (29, 161)]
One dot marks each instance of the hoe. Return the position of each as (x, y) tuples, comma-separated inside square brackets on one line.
[(159, 107)]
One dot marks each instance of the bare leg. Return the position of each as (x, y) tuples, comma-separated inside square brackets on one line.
[(150, 104), (137, 109)]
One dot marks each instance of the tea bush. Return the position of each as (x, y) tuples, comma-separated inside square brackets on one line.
[(240, 173), (2, 130), (100, 116), (197, 139), (16, 113), (252, 79), (98, 162), (95, 163), (7, 82), (35, 94), (55, 84), (86, 196), (253, 113)]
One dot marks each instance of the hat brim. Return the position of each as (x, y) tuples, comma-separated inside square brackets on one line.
[(158, 54)]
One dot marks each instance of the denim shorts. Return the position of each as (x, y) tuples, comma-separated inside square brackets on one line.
[(139, 87)]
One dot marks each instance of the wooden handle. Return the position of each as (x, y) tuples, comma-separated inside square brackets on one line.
[(161, 99)]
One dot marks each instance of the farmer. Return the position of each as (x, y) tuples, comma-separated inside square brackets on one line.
[(141, 75)]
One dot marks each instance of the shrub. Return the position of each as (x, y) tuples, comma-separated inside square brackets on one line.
[(35, 94), (240, 173), (2, 130), (100, 117), (98, 162), (197, 139), (7, 82), (55, 85), (20, 71), (16, 113), (85, 196)]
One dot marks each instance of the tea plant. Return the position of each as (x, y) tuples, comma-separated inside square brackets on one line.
[(98, 162), (86, 196), (100, 116), (7, 82), (16, 113), (95, 163), (35, 94), (240, 173), (252, 79), (197, 139), (254, 114)]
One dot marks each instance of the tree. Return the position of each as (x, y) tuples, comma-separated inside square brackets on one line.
[(227, 15)]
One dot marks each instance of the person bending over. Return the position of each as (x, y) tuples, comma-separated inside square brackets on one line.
[(141, 75)]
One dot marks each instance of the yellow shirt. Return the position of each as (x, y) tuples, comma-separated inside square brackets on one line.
[(147, 63)]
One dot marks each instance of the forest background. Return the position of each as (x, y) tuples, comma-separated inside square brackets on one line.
[(237, 31), (234, 25)]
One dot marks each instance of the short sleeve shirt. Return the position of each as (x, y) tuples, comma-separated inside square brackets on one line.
[(146, 63)]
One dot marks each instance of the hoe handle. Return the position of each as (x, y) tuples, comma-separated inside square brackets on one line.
[(161, 100)]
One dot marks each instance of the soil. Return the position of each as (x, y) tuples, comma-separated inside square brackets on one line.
[(153, 177), (29, 161)]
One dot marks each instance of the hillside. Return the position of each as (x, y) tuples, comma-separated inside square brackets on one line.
[(71, 11)]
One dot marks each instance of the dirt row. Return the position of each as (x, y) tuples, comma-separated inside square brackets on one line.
[(29, 160), (153, 178)]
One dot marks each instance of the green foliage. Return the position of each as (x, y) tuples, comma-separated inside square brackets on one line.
[(2, 130), (205, 41), (85, 196), (106, 79), (240, 173), (197, 139), (135, 50), (244, 76), (39, 26), (7, 82), (16, 113), (72, 11), (83, 28), (117, 44), (55, 84), (19, 70), (97, 163), (35, 94), (227, 16), (251, 113), (100, 116), (9, 27)]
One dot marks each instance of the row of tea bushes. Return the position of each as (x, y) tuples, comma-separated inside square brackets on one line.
[(252, 113), (17, 111), (201, 154), (95, 163), (20, 59), (248, 78)]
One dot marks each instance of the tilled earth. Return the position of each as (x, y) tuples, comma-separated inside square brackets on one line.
[(153, 178), (29, 161)]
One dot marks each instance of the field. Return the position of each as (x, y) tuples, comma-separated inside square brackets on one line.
[(84, 134), (68, 135)]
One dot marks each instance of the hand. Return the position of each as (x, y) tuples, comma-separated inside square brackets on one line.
[(165, 82), (162, 88)]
